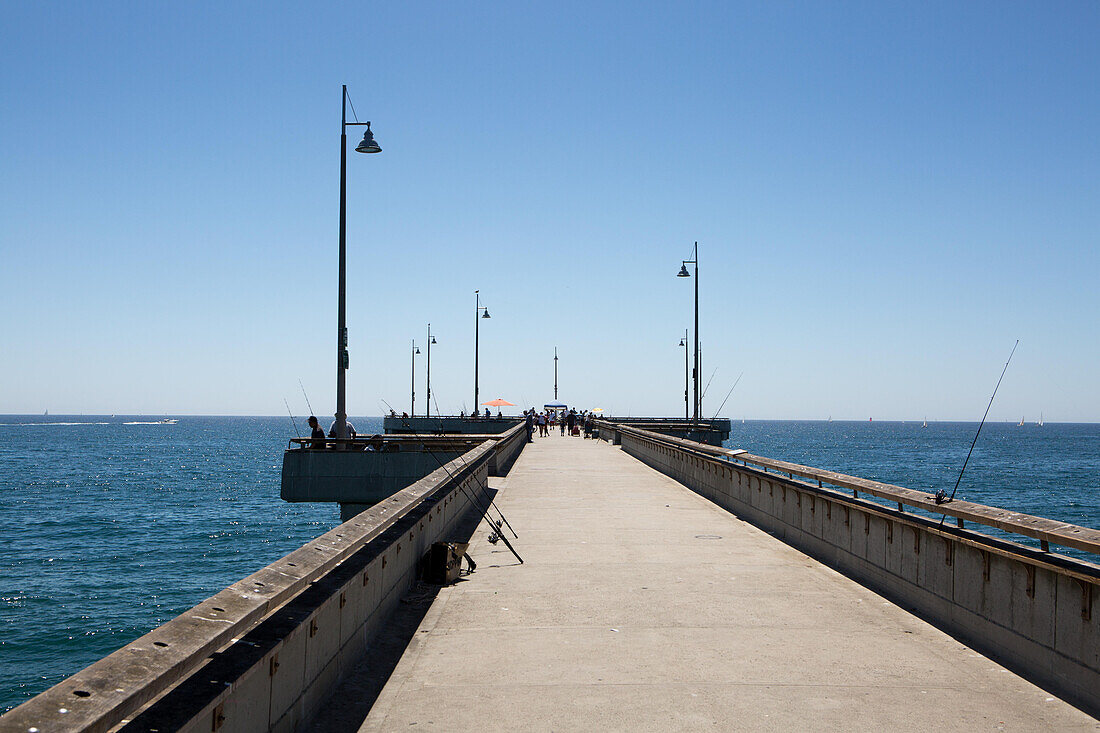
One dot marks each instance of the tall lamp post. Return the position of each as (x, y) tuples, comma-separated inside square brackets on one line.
[(698, 406), (412, 379), (431, 340), (478, 315), (367, 145), (684, 343), (555, 374)]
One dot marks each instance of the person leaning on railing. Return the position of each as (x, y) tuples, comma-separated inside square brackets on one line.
[(317, 435)]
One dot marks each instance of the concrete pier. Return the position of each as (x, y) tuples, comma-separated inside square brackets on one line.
[(643, 606)]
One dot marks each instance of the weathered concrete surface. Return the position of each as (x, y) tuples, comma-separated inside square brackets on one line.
[(644, 607)]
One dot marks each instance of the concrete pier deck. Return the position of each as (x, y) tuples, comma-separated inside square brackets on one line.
[(642, 606)]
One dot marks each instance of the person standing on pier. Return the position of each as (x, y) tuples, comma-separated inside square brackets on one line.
[(351, 429), (530, 424), (317, 435)]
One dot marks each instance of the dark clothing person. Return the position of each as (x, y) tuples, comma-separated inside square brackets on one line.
[(318, 435), (530, 424)]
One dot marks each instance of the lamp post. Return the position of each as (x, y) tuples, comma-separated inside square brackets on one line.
[(684, 343), (412, 379), (367, 145), (698, 406), (431, 340), (478, 315), (555, 374)]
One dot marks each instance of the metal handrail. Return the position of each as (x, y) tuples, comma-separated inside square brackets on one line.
[(1047, 531), (360, 442)]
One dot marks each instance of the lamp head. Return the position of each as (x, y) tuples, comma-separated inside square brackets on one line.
[(433, 339), (682, 343), (417, 350), (683, 271), (368, 144), (485, 314)]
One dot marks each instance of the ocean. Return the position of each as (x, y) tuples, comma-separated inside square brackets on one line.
[(110, 526)]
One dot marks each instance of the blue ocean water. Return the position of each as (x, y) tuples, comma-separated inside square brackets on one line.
[(110, 526)]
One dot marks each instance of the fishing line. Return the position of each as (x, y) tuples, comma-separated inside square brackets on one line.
[(728, 395), (292, 422), (473, 499), (708, 383), (941, 495), (311, 412)]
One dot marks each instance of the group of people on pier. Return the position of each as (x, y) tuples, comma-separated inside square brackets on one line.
[(474, 415), (569, 422)]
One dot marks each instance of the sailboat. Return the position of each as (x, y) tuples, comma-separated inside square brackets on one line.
[(1040, 423), (830, 419), (1021, 423), (925, 423)]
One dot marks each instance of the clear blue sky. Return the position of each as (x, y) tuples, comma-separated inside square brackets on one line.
[(886, 196)]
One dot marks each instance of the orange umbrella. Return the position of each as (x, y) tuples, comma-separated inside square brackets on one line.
[(498, 402)]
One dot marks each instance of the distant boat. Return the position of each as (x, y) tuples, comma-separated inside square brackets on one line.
[(1040, 423), (925, 423), (46, 413), (830, 419), (1021, 423), (167, 421)]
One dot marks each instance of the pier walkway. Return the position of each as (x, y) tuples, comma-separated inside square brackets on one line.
[(642, 606)]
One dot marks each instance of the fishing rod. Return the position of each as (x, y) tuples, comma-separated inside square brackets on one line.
[(491, 502), (311, 412), (941, 496), (473, 500), (728, 395), (708, 382), (498, 534), (292, 422)]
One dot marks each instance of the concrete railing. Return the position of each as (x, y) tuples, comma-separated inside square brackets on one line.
[(1033, 611), (509, 445), (264, 653)]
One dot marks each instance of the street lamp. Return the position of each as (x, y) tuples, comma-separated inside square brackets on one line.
[(431, 340), (367, 145), (698, 407), (478, 315), (555, 374), (412, 379), (684, 343)]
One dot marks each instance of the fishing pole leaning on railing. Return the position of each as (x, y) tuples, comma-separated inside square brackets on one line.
[(498, 534), (941, 495)]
